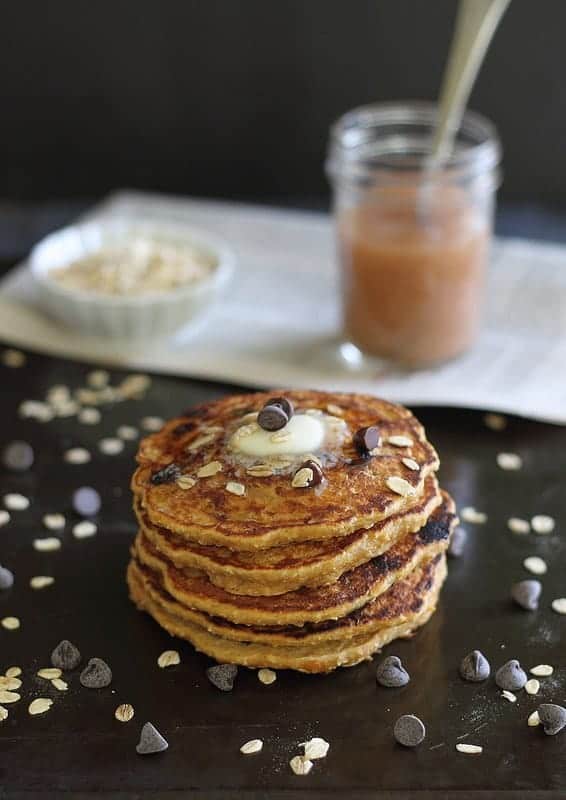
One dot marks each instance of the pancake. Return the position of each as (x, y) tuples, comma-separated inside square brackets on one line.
[(416, 604), (283, 569), (272, 512), (352, 590)]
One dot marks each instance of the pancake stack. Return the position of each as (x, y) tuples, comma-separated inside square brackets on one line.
[(301, 531)]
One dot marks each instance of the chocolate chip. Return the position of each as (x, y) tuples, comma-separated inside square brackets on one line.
[(96, 675), (284, 404), (392, 673), (475, 667), (366, 440), (66, 656), (272, 418), (222, 676), (166, 474), (511, 676), (526, 594), (18, 456), (552, 717), (317, 473), (457, 543), (6, 579), (151, 741), (86, 501), (409, 730)]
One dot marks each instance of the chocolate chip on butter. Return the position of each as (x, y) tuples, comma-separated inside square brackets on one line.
[(272, 418), (222, 676), (18, 456), (166, 474), (96, 675), (366, 440), (392, 673), (511, 676), (526, 594), (6, 579), (151, 741), (312, 472), (409, 730), (66, 656), (284, 403), (475, 667), (552, 717)]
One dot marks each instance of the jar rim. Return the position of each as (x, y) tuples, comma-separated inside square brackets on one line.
[(396, 137)]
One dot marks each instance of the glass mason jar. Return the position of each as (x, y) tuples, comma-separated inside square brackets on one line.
[(413, 239)]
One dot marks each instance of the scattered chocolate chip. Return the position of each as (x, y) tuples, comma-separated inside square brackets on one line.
[(167, 474), (96, 675), (409, 730), (272, 418), (66, 656), (392, 673), (283, 403), (526, 594), (511, 676), (6, 579), (222, 676), (366, 440), (86, 501), (457, 542), (475, 667), (151, 741), (317, 473), (18, 456), (552, 717)]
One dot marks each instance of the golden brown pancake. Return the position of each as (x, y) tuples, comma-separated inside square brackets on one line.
[(283, 569), (360, 636), (272, 512), (352, 590)]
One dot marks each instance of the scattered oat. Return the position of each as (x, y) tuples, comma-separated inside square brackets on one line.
[(60, 684), (10, 623), (84, 529), (89, 416), (41, 581), (16, 502), (533, 719), (9, 697), (517, 525), (267, 676), (4, 517), (253, 746), (33, 409), (210, 469), (279, 437), (472, 749), (542, 670), (47, 545), (13, 358), (400, 486), (236, 488), (3, 713), (559, 605), (49, 673), (111, 446), (495, 422), (77, 455), (152, 424), (6, 579), (335, 410), (400, 441), (509, 696), (40, 705), (470, 514), (410, 463), (247, 430), (9, 684), (54, 522), (169, 658), (98, 378), (535, 564), (185, 482), (260, 471), (315, 748), (201, 441), (532, 686), (509, 461), (300, 765), (127, 432), (542, 524), (134, 386), (124, 712), (13, 672)]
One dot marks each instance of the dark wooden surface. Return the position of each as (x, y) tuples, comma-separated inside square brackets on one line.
[(77, 749)]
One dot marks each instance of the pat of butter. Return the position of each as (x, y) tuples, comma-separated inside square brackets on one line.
[(302, 434)]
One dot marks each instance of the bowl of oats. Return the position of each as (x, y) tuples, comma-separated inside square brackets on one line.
[(130, 279)]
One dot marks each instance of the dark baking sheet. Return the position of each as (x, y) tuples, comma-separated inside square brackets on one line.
[(78, 749)]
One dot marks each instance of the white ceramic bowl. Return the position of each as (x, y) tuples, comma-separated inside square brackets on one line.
[(140, 316)]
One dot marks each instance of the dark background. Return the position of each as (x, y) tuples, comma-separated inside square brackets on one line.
[(233, 98)]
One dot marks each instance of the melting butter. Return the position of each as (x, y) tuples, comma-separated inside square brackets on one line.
[(302, 434)]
